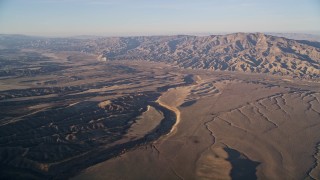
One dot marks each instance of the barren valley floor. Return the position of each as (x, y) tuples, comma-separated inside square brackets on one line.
[(237, 127), (66, 115)]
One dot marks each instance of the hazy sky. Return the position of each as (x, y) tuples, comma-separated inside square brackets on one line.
[(147, 17)]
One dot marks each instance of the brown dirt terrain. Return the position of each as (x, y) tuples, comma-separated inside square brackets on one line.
[(65, 117), (249, 127)]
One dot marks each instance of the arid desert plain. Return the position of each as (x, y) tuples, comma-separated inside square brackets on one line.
[(71, 114)]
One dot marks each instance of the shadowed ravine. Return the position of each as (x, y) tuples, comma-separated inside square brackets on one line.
[(242, 167)]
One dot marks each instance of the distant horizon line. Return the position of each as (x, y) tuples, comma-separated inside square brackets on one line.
[(314, 33)]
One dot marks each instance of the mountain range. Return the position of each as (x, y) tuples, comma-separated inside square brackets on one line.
[(242, 52)]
